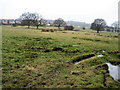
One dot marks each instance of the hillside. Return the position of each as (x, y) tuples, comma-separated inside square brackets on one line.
[(79, 24)]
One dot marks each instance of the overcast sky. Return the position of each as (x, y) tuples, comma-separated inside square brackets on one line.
[(76, 10)]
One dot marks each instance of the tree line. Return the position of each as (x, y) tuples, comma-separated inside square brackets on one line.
[(37, 20)]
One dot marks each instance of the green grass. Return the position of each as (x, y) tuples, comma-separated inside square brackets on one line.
[(35, 59)]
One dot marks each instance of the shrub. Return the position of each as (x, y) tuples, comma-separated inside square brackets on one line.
[(68, 27)]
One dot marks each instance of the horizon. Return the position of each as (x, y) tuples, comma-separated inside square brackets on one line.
[(74, 10)]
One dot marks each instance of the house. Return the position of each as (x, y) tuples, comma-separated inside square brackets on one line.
[(9, 21)]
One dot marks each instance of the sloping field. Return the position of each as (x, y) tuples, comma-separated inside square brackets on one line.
[(35, 59)]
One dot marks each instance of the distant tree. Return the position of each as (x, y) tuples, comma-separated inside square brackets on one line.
[(26, 19), (116, 26), (25, 22), (59, 22), (98, 24), (36, 19), (68, 27), (83, 28), (17, 21), (14, 24)]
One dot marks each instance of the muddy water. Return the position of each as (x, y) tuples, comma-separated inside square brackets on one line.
[(114, 71)]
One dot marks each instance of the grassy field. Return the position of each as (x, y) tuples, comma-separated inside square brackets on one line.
[(35, 59)]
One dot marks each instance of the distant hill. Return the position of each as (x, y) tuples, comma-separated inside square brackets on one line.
[(79, 24), (75, 23)]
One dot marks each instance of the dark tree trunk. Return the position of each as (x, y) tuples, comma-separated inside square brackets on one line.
[(37, 26), (28, 24), (59, 26), (97, 30)]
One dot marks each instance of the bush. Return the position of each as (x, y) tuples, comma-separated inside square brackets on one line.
[(14, 25), (68, 27), (83, 28)]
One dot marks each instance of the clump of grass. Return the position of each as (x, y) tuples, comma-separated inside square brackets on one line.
[(113, 58)]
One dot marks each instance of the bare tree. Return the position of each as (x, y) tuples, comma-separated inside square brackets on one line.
[(59, 22), (31, 18), (36, 19), (98, 24), (26, 18)]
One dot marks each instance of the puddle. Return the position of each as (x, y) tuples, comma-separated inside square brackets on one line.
[(103, 51), (81, 58), (77, 62), (114, 71), (100, 55), (86, 57)]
